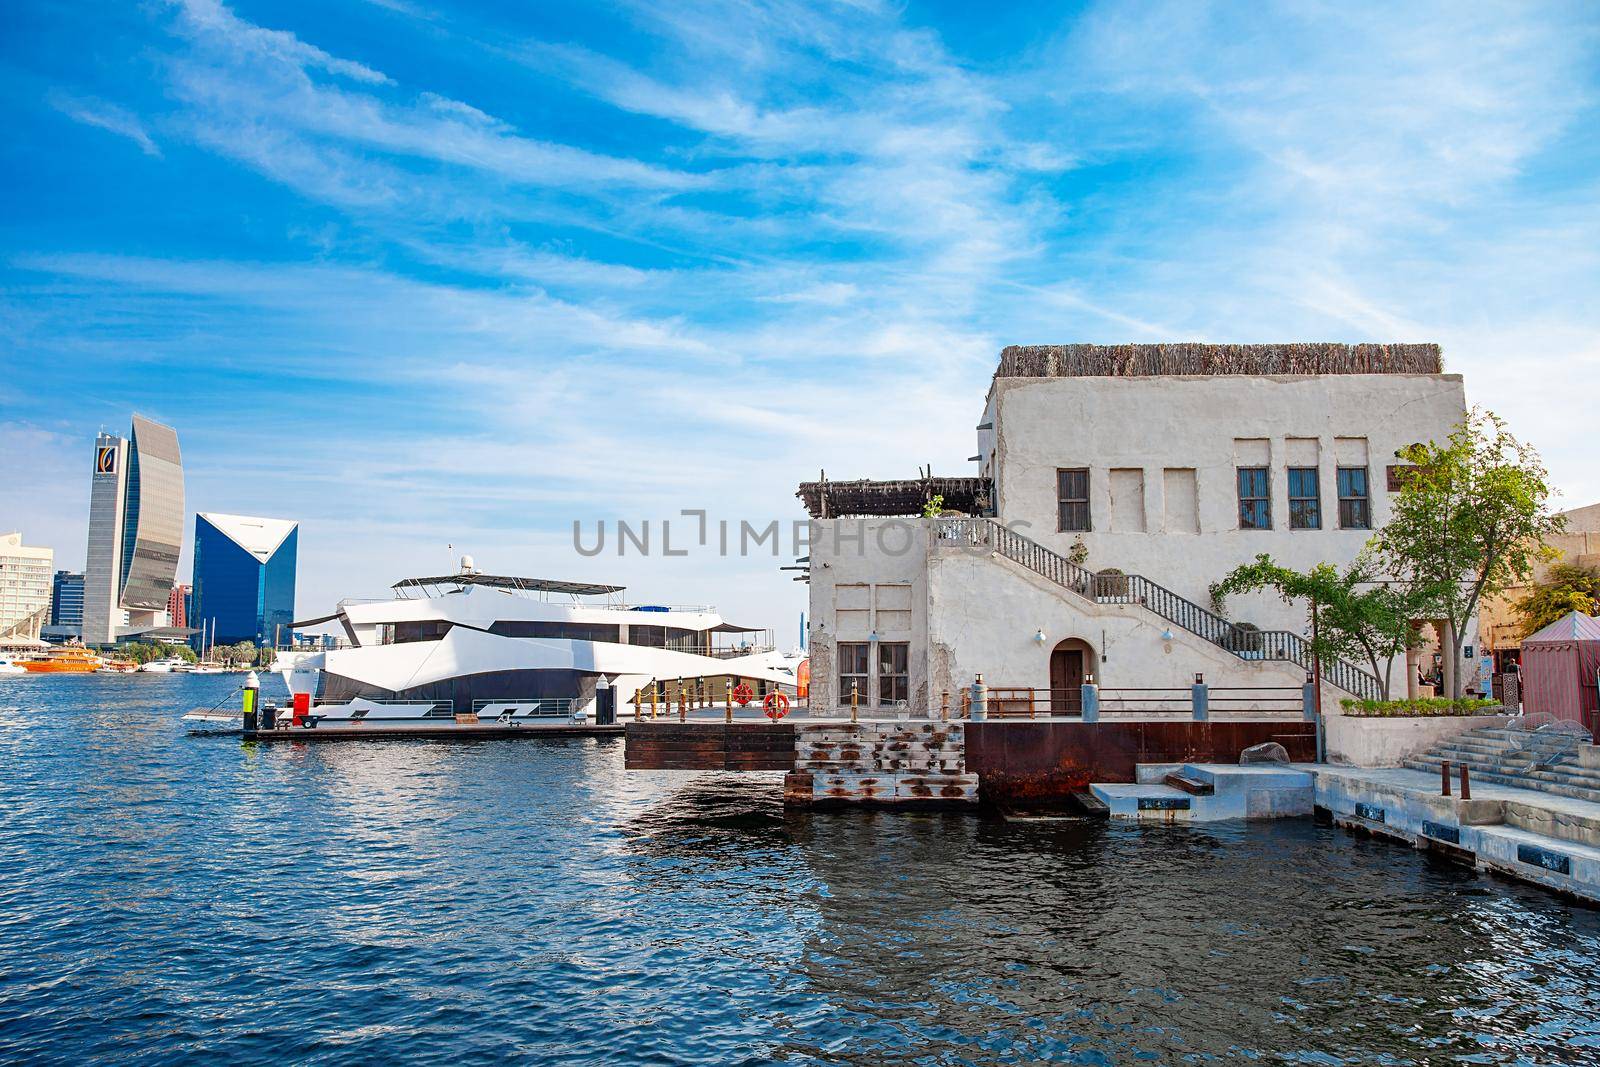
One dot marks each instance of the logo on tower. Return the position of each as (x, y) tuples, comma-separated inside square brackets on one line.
[(105, 460)]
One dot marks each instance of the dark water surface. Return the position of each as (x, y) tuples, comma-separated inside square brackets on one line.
[(165, 898)]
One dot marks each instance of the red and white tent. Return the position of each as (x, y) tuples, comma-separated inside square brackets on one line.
[(1559, 668)]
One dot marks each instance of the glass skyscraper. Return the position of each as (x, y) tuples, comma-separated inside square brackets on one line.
[(66, 600), (244, 571), (135, 530)]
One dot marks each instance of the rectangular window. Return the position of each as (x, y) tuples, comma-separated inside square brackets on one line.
[(1305, 499), (853, 673), (893, 673), (1072, 499), (1255, 505), (1355, 510)]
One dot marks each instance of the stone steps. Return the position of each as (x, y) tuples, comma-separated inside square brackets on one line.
[(1547, 782)]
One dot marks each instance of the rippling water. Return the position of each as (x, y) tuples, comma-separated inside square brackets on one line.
[(166, 897)]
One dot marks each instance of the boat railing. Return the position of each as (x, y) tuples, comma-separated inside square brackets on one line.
[(542, 706)]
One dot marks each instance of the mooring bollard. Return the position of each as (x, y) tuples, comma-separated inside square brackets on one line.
[(1200, 698), (728, 698), (855, 699), (1089, 697), (1466, 784), (980, 699), (1444, 778), (252, 703)]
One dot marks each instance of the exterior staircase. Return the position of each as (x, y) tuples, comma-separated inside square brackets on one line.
[(1135, 589), (1525, 759)]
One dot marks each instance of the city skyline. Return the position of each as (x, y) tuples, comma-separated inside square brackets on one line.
[(503, 272)]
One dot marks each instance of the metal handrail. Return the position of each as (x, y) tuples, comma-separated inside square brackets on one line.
[(1135, 589)]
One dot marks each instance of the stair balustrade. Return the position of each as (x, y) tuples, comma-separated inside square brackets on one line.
[(1137, 590)]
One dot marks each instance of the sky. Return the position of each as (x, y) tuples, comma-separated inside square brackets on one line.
[(435, 279)]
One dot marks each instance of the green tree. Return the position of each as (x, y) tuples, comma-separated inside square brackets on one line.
[(1470, 520), (1356, 614), (1566, 589)]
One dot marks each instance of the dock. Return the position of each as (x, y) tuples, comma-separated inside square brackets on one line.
[(444, 731), (1004, 762)]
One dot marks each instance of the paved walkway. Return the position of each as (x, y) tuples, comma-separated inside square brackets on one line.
[(1426, 783)]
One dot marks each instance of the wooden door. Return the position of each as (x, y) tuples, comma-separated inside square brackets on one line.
[(1066, 680)]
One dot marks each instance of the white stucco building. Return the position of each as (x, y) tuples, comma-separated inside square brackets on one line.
[(25, 575), (1115, 485)]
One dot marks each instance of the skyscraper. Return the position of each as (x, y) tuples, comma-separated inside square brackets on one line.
[(178, 606), (135, 531), (66, 602), (244, 577), (24, 588)]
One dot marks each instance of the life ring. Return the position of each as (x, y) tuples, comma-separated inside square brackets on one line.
[(777, 705), (743, 694)]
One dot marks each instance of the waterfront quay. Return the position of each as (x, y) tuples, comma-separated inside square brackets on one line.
[(1477, 795)]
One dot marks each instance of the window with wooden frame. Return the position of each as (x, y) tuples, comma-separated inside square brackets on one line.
[(1305, 499), (894, 677), (1072, 500), (1355, 506), (853, 664), (1255, 500)]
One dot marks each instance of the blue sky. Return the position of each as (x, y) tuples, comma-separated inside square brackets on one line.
[(421, 274)]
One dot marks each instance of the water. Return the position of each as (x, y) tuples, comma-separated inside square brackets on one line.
[(166, 897)]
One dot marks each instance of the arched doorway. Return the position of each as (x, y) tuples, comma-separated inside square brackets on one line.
[(1070, 663)]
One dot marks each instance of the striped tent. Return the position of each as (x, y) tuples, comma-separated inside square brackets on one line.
[(1560, 665)]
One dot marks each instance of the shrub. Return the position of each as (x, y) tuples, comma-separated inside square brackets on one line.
[(1422, 706)]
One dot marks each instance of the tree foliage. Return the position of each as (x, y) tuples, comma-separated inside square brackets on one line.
[(1566, 589), (1470, 520), (1357, 615), (145, 651)]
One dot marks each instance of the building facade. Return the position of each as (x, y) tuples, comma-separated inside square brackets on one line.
[(244, 574), (178, 606), (135, 532), (24, 588), (1116, 485), (66, 607)]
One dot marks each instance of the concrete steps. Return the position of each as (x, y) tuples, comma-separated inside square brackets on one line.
[(1207, 792), (1497, 755)]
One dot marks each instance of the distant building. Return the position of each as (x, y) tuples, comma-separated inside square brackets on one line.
[(135, 532), (24, 588), (178, 606), (66, 604), (1578, 544), (244, 570)]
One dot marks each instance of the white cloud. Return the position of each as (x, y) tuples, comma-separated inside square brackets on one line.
[(105, 116)]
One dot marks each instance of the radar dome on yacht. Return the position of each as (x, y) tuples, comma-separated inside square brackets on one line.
[(467, 565)]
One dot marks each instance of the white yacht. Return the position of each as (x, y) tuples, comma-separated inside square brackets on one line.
[(165, 665), (9, 664), (516, 650)]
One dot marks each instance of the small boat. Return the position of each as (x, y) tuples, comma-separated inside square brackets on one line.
[(9, 665), (73, 659), (165, 665), (116, 665), (207, 668)]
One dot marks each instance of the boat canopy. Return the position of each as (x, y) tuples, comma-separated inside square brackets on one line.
[(501, 581)]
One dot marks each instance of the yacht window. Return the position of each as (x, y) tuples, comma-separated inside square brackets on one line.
[(425, 630), (556, 630)]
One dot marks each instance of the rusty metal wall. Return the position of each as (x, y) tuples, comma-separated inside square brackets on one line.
[(709, 746), (1047, 761)]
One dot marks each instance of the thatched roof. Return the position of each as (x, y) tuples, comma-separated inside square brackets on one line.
[(829, 500), (1122, 361)]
